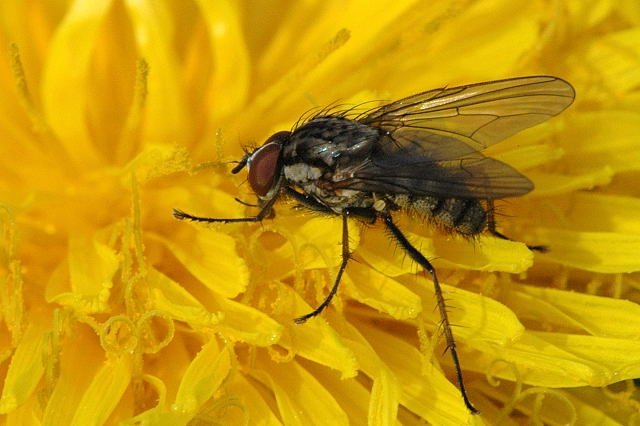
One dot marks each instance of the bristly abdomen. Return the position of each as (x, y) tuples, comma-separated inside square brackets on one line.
[(464, 216)]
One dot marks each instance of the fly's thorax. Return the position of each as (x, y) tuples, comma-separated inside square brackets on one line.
[(302, 173), (323, 152), (330, 142), (464, 216), (311, 181)]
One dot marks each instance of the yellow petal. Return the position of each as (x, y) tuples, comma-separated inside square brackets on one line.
[(487, 254), (315, 339), (621, 213), (231, 75), (156, 161), (549, 184), (301, 399), (253, 402), (202, 378), (600, 316), (213, 259), (606, 252), (613, 359), (91, 269), (606, 140), (91, 266), (385, 392), (383, 254), (104, 392), (564, 360), (381, 292), (64, 92), (314, 244), (429, 395), (25, 369), (165, 111), (230, 318), (609, 56), (79, 361), (475, 318)]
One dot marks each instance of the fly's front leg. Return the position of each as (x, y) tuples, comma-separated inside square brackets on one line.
[(345, 259), (491, 227), (446, 325), (266, 209)]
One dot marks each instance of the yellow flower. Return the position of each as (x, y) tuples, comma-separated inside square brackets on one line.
[(115, 112)]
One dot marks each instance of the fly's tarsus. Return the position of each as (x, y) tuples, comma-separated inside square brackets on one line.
[(179, 214)]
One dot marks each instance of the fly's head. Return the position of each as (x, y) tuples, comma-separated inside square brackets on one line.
[(265, 166)]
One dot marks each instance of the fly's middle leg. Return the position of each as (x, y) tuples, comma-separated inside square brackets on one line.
[(346, 254)]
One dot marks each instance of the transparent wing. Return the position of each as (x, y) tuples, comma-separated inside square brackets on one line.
[(423, 163), (480, 114)]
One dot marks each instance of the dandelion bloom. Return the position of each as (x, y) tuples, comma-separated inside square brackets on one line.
[(115, 112)]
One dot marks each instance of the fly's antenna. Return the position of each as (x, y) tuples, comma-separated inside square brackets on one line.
[(240, 164)]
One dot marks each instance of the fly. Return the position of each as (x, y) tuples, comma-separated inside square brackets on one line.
[(421, 154)]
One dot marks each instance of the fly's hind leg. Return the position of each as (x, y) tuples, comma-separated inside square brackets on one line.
[(446, 325), (491, 227)]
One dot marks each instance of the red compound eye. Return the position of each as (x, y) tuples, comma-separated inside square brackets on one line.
[(263, 168)]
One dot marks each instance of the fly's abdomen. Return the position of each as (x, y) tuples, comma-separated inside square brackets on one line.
[(467, 217)]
